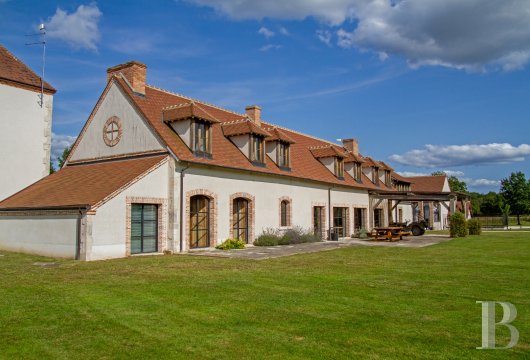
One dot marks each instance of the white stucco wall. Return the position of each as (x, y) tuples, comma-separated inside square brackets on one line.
[(272, 148), (136, 136), (42, 235), (329, 162), (267, 192), (183, 129), (243, 143), (25, 138), (107, 235)]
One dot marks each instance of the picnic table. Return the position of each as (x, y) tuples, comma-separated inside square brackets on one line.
[(388, 233)]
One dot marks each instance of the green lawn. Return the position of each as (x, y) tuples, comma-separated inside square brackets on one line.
[(353, 303)]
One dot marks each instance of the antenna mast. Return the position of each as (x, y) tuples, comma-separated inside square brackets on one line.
[(42, 34)]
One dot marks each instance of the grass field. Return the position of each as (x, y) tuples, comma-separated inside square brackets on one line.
[(353, 303)]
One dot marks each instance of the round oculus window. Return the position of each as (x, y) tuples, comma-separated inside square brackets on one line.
[(112, 131)]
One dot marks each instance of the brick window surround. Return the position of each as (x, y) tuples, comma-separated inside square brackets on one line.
[(251, 214), (348, 217), (213, 216), (162, 220), (289, 211)]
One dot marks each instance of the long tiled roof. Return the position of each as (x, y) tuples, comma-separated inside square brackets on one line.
[(80, 185), (241, 127), (224, 153), (12, 70), (430, 184)]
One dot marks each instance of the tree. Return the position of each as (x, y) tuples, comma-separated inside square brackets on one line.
[(62, 159), (491, 204), (515, 191), (455, 184)]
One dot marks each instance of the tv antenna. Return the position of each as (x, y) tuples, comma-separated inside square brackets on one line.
[(42, 41)]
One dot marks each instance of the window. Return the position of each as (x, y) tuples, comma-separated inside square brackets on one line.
[(378, 217), (436, 214), (201, 144), (256, 149), (339, 168), (400, 215), (357, 171), (285, 218), (318, 220), (426, 212), (199, 222), (144, 228), (388, 180), (283, 155), (359, 218), (375, 176), (340, 221), (240, 219)]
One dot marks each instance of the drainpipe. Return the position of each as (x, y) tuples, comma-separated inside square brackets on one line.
[(329, 214), (78, 235), (181, 240)]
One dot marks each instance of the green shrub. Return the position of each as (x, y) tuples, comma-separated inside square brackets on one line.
[(267, 240), (230, 244), (474, 227), (457, 225), (296, 235)]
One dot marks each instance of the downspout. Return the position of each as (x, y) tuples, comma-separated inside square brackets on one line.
[(181, 210), (329, 214)]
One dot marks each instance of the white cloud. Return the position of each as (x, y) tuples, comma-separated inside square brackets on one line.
[(324, 36), (283, 31), (433, 156), (473, 34), (59, 143), (270, 47), (481, 182), (265, 32), (79, 29), (458, 174)]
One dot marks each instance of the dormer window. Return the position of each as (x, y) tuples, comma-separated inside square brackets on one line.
[(375, 175), (193, 124), (388, 179), (357, 171), (201, 138), (283, 155), (339, 168), (257, 152)]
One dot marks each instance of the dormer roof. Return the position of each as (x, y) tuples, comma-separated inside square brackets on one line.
[(327, 151), (279, 135), (351, 157), (243, 127), (189, 110)]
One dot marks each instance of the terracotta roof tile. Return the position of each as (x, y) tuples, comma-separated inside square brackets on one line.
[(241, 127), (279, 135), (351, 157), (80, 185), (187, 111), (14, 70), (224, 154), (327, 151), (432, 184), (398, 177)]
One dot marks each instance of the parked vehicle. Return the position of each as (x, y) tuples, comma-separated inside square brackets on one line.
[(417, 228)]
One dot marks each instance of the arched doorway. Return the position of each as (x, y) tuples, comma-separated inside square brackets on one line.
[(199, 221), (240, 216)]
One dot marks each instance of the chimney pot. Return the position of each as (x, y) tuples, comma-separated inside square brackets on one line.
[(351, 145), (134, 72), (254, 112)]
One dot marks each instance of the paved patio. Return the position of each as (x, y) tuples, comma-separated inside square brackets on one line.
[(269, 252)]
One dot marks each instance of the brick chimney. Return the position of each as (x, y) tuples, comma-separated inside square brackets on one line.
[(254, 112), (352, 145), (134, 72)]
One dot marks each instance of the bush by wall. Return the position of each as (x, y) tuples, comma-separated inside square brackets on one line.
[(457, 225), (230, 244), (296, 235), (474, 227)]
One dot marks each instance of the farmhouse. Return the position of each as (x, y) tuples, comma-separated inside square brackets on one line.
[(25, 125), (154, 171)]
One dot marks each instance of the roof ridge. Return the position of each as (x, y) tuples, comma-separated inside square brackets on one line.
[(171, 107), (193, 99), (299, 133), (232, 122)]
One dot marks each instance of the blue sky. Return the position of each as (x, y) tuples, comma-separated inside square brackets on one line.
[(424, 85)]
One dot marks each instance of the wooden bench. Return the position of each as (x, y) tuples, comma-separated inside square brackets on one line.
[(388, 234)]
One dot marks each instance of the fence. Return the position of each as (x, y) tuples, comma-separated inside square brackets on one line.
[(502, 221)]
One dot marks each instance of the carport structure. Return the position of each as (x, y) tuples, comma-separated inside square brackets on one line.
[(451, 201)]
